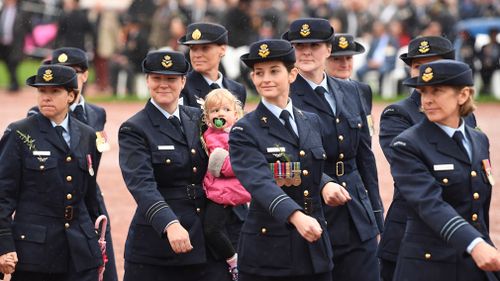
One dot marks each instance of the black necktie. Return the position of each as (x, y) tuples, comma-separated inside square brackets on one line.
[(321, 91), (285, 115), (177, 124), (214, 86), (60, 131), (458, 137), (79, 114)]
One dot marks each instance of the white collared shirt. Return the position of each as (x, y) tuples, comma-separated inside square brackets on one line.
[(81, 102), (218, 81), (65, 125), (328, 95), (165, 113), (450, 131), (276, 111)]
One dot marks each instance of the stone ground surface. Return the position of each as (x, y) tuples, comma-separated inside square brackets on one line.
[(121, 205)]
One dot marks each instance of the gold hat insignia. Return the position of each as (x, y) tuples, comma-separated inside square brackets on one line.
[(167, 61), (343, 43), (264, 51), (305, 31), (424, 47), (62, 58), (47, 76), (428, 75), (196, 35)]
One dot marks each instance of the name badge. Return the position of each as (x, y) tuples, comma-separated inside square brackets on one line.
[(166, 147), (41, 153), (444, 167), (276, 149)]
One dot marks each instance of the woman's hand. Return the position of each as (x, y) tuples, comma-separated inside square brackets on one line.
[(178, 238), (8, 262), (307, 226), (486, 257), (335, 195)]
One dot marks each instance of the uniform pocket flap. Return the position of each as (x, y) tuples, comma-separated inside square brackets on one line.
[(88, 230), (162, 157), (30, 232), (355, 122), (429, 253), (39, 164), (318, 153)]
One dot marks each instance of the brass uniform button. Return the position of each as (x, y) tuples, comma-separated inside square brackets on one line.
[(324, 156), (302, 153), (473, 174), (475, 196), (341, 156), (193, 151), (337, 120), (428, 256), (42, 167), (66, 225), (69, 196), (305, 172), (445, 181), (341, 138), (359, 125), (474, 217), (69, 178), (68, 159), (263, 230), (366, 190), (195, 169), (168, 161), (23, 237), (344, 184), (306, 193), (198, 210)]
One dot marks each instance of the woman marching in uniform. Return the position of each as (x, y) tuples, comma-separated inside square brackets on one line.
[(277, 154), (441, 167), (48, 178), (163, 164)]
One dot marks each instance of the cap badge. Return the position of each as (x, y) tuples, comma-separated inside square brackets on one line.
[(47, 76), (196, 35), (428, 75), (343, 43), (305, 31), (264, 51), (424, 47), (62, 58), (167, 61)]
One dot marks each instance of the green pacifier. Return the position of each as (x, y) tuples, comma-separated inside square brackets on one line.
[(219, 122)]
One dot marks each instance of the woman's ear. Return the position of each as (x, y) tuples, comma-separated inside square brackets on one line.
[(71, 97), (464, 95)]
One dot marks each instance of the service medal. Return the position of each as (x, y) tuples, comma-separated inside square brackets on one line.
[(288, 174), (296, 174), (102, 142), (89, 164)]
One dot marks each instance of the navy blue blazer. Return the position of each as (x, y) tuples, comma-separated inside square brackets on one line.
[(350, 160), (197, 87), (269, 245), (395, 119), (448, 197), (52, 193), (163, 171)]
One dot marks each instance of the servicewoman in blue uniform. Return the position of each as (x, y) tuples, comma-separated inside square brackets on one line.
[(353, 225), (340, 64), (277, 154), (394, 120), (441, 167), (94, 116), (163, 164), (48, 166), (207, 45)]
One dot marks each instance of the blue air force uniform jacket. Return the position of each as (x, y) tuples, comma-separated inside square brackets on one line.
[(350, 160), (269, 245), (197, 87), (448, 197), (53, 195), (163, 171), (394, 120)]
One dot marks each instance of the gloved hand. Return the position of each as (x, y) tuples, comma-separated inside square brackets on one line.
[(216, 160)]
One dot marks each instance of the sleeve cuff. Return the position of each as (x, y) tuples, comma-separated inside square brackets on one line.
[(474, 244)]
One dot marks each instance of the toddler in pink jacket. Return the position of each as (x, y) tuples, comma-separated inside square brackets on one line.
[(221, 110)]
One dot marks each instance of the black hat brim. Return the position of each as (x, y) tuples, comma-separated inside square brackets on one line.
[(407, 59), (310, 40), (358, 50), (165, 72), (31, 81), (456, 80), (288, 57)]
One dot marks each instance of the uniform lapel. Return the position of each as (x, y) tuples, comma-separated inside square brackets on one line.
[(200, 85), (302, 88), (476, 147), (273, 124), (165, 127), (91, 116), (75, 134), (302, 126), (49, 133), (443, 142), (338, 94), (189, 126)]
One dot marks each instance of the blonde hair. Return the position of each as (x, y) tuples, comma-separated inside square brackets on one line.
[(217, 97), (469, 106)]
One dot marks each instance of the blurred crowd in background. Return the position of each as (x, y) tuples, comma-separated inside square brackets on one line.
[(117, 39)]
